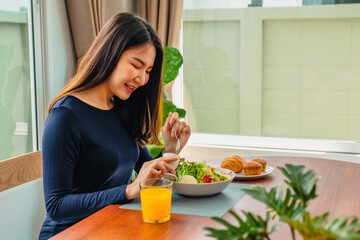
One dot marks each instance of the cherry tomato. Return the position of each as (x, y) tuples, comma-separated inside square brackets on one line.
[(212, 169), (207, 178)]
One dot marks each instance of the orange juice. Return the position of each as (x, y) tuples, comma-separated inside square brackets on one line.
[(156, 204), (155, 196)]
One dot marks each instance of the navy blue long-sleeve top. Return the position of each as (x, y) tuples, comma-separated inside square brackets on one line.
[(88, 158)]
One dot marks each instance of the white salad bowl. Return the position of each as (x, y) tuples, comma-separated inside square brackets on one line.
[(204, 189)]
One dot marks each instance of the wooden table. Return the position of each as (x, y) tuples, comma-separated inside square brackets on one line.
[(338, 193)]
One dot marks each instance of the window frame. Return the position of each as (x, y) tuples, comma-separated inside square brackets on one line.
[(38, 73)]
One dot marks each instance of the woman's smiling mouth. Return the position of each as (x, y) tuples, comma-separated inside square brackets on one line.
[(129, 88)]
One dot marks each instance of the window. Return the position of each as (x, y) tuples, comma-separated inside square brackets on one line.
[(267, 74), (17, 108)]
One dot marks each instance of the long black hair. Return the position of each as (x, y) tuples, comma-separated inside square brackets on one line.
[(142, 111)]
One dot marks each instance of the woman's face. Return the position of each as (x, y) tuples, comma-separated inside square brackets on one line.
[(132, 70)]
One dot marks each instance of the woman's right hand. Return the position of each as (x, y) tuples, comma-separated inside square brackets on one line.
[(151, 169)]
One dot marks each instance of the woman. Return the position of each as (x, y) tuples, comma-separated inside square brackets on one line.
[(98, 126)]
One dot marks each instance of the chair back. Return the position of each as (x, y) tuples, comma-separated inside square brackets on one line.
[(22, 206), (18, 170)]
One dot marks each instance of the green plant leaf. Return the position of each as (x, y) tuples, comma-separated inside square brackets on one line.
[(172, 63), (311, 228), (302, 184), (317, 228), (169, 106), (181, 112), (221, 234), (346, 228), (154, 149), (133, 176), (287, 209), (253, 227)]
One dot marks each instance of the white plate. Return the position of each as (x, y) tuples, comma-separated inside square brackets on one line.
[(241, 175), (203, 189)]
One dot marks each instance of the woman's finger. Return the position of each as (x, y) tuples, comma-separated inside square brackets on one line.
[(160, 167), (170, 168), (187, 131), (181, 128), (174, 129), (167, 122), (155, 173), (163, 164), (174, 117)]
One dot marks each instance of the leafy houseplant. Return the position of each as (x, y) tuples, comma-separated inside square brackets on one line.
[(171, 65), (290, 209)]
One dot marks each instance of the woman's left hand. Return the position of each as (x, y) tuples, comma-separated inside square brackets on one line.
[(172, 129)]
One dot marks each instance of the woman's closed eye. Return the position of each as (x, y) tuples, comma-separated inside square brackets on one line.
[(138, 67), (135, 66)]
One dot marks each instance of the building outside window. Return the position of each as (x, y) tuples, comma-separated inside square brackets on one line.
[(17, 108), (272, 74)]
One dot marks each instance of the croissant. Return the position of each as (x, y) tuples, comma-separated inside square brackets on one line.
[(234, 163)]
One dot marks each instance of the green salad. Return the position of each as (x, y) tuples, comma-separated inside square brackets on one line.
[(200, 171)]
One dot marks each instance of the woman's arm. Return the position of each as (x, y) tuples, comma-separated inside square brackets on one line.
[(61, 145)]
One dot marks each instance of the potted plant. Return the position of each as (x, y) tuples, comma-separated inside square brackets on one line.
[(290, 209), (173, 60)]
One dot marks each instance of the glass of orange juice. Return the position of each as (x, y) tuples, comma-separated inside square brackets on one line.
[(155, 196)]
